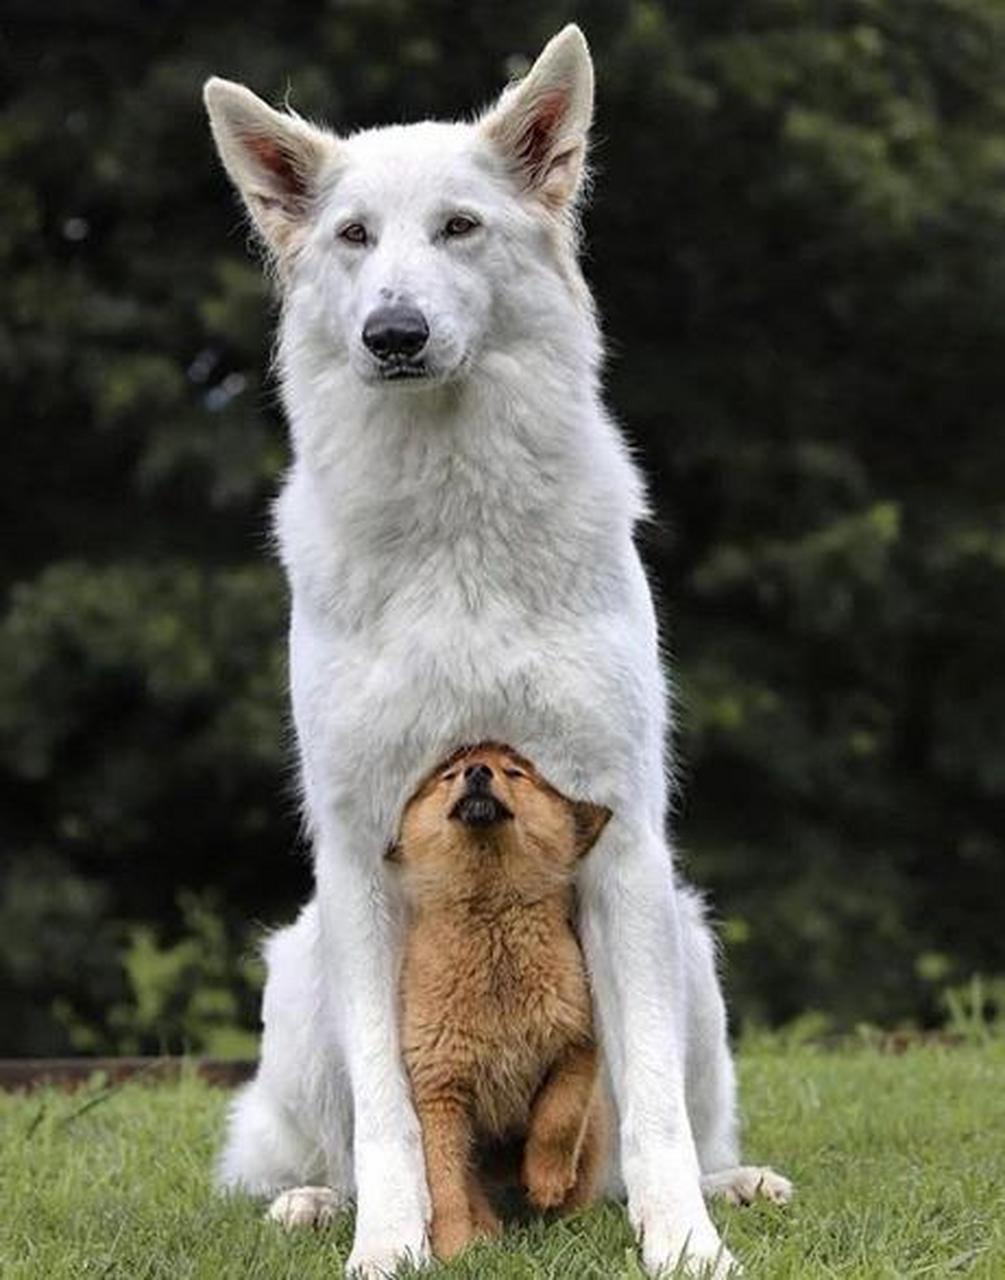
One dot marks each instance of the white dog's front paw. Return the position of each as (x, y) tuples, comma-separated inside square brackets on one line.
[(304, 1207), (660, 1260), (379, 1259), (392, 1208), (698, 1252), (746, 1183)]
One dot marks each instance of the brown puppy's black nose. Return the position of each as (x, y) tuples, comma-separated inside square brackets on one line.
[(478, 805), (395, 332), (477, 777)]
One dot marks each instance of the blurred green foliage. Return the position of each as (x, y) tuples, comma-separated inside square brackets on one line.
[(798, 244), (197, 994)]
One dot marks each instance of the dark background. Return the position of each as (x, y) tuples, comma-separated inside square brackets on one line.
[(797, 240)]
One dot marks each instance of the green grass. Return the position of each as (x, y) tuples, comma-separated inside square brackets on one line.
[(899, 1164)]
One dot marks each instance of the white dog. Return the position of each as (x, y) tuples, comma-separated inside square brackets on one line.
[(457, 531)]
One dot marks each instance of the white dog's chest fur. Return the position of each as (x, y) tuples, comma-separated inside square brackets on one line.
[(451, 583)]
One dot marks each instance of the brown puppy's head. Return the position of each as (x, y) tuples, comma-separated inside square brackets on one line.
[(486, 820)]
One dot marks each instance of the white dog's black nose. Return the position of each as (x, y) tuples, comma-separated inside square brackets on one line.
[(396, 331)]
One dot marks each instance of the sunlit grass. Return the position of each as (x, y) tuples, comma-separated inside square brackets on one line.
[(899, 1163)]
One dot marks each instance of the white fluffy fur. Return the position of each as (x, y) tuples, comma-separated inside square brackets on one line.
[(462, 567)]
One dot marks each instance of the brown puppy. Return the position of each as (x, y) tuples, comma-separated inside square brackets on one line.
[(497, 1020)]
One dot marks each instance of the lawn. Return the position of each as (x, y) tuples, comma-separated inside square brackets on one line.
[(899, 1163)]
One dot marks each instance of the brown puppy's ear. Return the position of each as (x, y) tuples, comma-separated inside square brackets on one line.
[(590, 820)]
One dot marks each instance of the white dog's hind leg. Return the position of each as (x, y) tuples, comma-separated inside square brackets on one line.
[(631, 932), (747, 1183), (290, 1126), (304, 1207), (710, 1078), (264, 1152)]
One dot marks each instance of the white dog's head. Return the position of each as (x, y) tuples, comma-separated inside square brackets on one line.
[(413, 252)]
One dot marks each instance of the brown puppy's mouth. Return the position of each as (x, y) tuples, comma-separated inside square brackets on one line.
[(480, 809)]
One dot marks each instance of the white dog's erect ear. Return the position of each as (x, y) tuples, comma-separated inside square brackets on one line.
[(541, 122), (273, 159)]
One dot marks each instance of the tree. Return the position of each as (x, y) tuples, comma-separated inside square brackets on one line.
[(798, 245)]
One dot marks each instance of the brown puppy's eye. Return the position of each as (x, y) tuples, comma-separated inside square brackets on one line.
[(353, 233), (459, 225), (449, 777), (514, 773)]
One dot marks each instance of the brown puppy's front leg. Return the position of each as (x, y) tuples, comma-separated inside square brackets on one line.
[(592, 1150), (446, 1141), (560, 1124)]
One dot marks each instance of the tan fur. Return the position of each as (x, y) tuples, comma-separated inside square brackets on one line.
[(497, 1020)]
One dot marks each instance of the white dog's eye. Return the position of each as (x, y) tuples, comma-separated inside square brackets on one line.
[(459, 225), (353, 233)]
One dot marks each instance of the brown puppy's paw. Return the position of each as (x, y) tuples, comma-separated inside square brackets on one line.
[(549, 1174), (486, 1222), (450, 1235), (488, 1226)]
